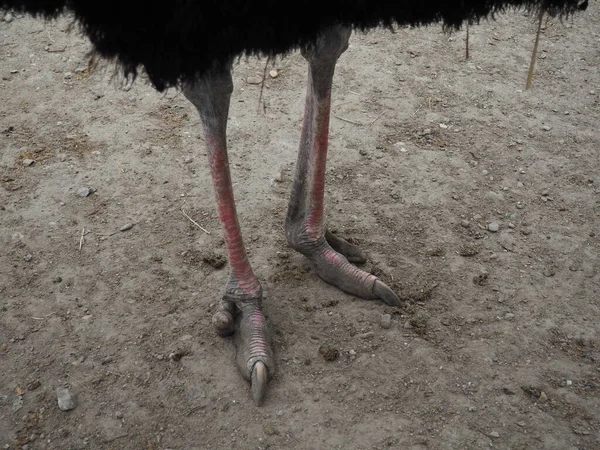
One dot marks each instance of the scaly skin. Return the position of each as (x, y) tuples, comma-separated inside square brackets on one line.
[(240, 313), (305, 225)]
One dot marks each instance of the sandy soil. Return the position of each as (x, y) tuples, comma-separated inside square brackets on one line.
[(498, 345)]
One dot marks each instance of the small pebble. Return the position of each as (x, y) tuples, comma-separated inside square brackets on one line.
[(119, 415), (367, 335), (509, 316), (279, 177), (27, 162), (546, 127), (65, 399), (386, 321), (33, 385), (495, 434), (84, 192), (543, 397), (28, 257), (569, 383), (273, 73), (521, 424), (8, 17), (465, 223), (493, 227), (254, 80), (126, 227)]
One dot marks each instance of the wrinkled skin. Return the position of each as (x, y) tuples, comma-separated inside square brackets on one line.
[(240, 313)]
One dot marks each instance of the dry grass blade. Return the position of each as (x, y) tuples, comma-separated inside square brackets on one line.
[(194, 222), (81, 238), (535, 50), (467, 56)]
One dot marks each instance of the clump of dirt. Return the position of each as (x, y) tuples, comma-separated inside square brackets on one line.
[(329, 353), (214, 260)]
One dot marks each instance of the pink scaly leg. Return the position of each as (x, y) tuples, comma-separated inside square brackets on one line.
[(305, 224), (240, 312)]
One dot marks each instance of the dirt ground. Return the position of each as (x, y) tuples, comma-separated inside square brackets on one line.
[(476, 200)]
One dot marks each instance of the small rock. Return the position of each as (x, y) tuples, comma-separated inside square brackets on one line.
[(480, 279), (65, 399), (543, 397), (546, 127), (269, 429), (254, 80), (27, 162), (279, 177), (521, 424), (17, 403), (494, 434), (119, 415), (8, 17), (84, 192), (33, 385), (493, 227), (569, 382), (386, 321), (468, 250), (465, 223), (28, 257), (408, 325), (509, 316), (435, 251), (352, 352), (367, 335), (273, 73), (127, 226)]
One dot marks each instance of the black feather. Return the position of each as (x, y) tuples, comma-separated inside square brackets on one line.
[(179, 39)]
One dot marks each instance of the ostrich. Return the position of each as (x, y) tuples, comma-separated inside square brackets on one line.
[(192, 45)]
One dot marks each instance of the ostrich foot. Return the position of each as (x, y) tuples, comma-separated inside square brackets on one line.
[(328, 256), (352, 253), (254, 357)]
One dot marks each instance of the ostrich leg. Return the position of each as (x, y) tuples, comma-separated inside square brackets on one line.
[(240, 311), (305, 225)]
